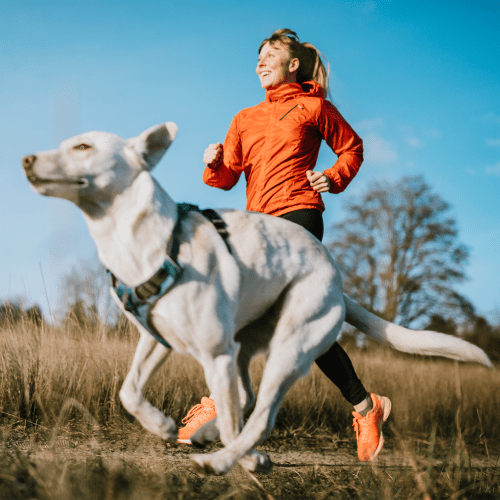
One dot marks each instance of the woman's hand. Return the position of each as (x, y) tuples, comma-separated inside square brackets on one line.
[(212, 154), (319, 181)]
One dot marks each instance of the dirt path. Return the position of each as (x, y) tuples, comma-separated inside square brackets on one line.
[(141, 467), (158, 456)]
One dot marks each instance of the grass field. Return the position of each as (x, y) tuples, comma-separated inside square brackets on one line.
[(66, 435)]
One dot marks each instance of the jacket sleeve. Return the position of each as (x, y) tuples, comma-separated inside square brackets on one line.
[(224, 173), (344, 142)]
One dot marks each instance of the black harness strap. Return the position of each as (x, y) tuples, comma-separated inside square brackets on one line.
[(219, 224), (153, 285)]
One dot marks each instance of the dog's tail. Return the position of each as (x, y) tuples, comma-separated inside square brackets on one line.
[(412, 341)]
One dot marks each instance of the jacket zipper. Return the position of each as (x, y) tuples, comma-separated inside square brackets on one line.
[(297, 105)]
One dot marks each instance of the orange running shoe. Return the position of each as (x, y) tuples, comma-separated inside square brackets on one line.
[(197, 416), (369, 429)]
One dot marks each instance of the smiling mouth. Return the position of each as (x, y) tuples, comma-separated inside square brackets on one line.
[(38, 181)]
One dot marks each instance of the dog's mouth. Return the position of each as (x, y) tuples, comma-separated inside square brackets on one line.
[(39, 181)]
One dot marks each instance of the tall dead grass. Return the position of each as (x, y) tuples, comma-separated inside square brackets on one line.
[(60, 382), (50, 376)]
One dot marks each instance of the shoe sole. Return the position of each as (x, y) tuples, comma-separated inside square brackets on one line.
[(185, 441), (386, 407)]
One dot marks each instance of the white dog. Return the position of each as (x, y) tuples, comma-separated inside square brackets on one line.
[(270, 287)]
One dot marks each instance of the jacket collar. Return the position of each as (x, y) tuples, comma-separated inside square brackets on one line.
[(287, 91)]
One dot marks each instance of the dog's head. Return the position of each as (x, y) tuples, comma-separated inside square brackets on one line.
[(96, 166)]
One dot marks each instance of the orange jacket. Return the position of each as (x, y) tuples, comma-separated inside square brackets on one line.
[(277, 141)]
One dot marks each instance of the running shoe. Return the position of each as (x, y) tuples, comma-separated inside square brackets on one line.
[(198, 415), (369, 429)]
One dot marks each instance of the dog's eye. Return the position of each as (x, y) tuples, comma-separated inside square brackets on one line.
[(82, 147)]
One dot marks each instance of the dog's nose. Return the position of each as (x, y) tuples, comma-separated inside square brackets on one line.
[(28, 161)]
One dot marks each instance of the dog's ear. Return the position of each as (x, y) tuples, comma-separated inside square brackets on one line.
[(153, 142)]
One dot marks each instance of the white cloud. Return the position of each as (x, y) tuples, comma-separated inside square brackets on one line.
[(378, 150), (433, 133), (493, 142), (376, 123), (491, 117), (495, 169), (414, 142)]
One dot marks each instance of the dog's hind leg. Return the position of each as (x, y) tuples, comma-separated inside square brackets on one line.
[(247, 396), (275, 383), (294, 347), (148, 357)]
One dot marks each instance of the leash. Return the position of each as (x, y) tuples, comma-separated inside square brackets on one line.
[(140, 300)]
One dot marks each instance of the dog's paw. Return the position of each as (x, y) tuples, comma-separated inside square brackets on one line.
[(163, 427), (223, 461), (170, 430), (208, 465), (255, 461), (208, 433)]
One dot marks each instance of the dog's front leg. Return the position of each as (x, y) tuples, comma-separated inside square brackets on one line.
[(224, 386), (148, 357), (210, 431), (223, 382), (221, 375)]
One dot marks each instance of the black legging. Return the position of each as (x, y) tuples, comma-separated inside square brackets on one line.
[(335, 363)]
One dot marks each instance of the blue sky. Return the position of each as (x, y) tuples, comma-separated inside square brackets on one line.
[(419, 81)]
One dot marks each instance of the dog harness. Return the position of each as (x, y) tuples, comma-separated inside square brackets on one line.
[(141, 299)]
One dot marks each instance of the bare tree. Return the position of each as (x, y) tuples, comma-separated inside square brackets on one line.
[(15, 312), (486, 336), (399, 253), (85, 290), (10, 313)]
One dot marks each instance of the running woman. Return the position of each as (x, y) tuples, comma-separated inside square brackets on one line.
[(276, 144)]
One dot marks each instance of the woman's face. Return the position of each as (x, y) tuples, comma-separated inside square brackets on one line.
[(275, 67)]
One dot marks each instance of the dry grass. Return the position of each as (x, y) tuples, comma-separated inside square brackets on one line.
[(98, 479), (63, 383)]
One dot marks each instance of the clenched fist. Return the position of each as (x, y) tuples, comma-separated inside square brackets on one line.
[(318, 181), (212, 154)]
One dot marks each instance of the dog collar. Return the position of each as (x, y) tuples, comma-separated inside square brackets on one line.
[(140, 300)]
